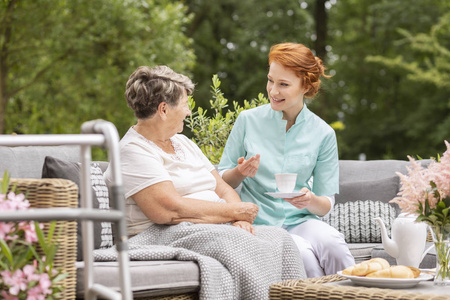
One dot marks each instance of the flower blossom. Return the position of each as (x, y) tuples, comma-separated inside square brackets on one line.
[(18, 201), (26, 283), (29, 272), (7, 296), (441, 173), (414, 188), (30, 231), (16, 281), (6, 229)]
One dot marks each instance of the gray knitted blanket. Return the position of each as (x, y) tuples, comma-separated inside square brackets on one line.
[(234, 264)]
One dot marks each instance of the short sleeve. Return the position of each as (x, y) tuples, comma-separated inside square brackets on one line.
[(326, 171), (141, 168), (234, 147)]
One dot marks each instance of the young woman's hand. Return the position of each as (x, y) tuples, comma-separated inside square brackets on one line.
[(245, 225), (248, 167), (301, 201)]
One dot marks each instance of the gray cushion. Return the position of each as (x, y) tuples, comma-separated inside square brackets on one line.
[(383, 190), (27, 161), (361, 251), (148, 278), (356, 170), (57, 168)]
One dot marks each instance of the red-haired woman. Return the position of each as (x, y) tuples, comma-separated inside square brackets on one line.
[(286, 137)]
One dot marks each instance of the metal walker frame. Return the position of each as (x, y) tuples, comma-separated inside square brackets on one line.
[(93, 133)]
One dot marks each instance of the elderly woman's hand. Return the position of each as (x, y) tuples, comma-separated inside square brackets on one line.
[(245, 225), (249, 167), (301, 201), (245, 211)]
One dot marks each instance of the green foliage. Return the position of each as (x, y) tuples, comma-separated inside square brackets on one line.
[(428, 68), (211, 133), (234, 37), (68, 61), (64, 62), (386, 114)]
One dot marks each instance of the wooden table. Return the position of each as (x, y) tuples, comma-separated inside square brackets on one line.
[(338, 287)]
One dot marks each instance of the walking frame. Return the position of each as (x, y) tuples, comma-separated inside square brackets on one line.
[(93, 133)]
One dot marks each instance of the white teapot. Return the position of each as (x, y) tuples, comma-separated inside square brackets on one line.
[(407, 242)]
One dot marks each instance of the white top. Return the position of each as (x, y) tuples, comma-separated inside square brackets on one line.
[(143, 164)]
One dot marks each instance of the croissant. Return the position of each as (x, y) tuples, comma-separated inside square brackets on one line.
[(366, 267), (393, 272), (415, 271)]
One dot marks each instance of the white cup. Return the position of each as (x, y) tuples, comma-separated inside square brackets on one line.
[(286, 182)]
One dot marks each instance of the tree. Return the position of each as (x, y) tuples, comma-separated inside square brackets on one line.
[(63, 62), (233, 38), (382, 109), (430, 70)]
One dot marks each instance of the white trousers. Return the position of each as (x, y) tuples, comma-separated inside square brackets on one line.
[(322, 247)]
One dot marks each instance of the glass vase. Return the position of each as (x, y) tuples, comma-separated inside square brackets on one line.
[(441, 239)]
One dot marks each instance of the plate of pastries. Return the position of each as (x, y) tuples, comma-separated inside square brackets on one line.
[(377, 272)]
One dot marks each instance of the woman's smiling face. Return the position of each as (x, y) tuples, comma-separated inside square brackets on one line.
[(285, 90)]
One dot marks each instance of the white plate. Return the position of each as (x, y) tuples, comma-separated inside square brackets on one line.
[(392, 283), (284, 195)]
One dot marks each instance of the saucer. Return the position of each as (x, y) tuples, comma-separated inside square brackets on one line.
[(278, 195)]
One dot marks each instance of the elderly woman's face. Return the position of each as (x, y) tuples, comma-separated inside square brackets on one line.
[(180, 112)]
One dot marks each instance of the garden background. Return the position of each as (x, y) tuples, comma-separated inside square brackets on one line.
[(63, 62)]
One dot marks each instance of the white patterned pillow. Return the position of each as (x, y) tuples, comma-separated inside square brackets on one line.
[(57, 168), (102, 194), (355, 220)]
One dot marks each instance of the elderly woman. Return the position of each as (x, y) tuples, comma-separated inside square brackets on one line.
[(178, 207), (167, 179)]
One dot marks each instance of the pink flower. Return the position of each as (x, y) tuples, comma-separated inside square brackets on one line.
[(441, 172), (35, 293), (5, 229), (45, 283), (29, 271), (7, 296), (30, 231), (16, 281), (18, 202), (416, 188)]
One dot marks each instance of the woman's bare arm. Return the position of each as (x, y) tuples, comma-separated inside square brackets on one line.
[(245, 168), (224, 190), (162, 204)]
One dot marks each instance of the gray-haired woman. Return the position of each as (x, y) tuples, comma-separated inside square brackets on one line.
[(167, 179)]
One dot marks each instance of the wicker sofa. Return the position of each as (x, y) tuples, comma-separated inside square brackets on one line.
[(365, 189)]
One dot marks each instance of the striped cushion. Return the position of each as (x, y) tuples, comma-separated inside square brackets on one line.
[(355, 220)]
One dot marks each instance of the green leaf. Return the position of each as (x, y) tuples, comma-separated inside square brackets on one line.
[(40, 236), (6, 251), (60, 277), (5, 183), (427, 207)]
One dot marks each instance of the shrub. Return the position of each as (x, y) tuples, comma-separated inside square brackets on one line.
[(210, 133)]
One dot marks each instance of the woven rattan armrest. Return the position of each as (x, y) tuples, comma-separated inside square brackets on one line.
[(55, 193), (315, 288)]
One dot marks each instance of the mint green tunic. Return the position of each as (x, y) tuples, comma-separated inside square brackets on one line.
[(308, 148)]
